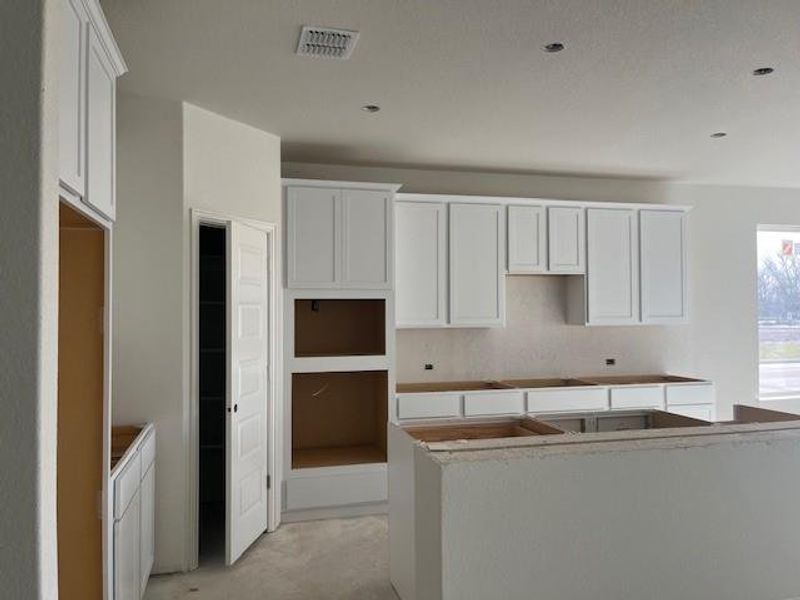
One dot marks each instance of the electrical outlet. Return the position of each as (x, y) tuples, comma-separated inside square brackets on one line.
[(428, 367), (610, 362)]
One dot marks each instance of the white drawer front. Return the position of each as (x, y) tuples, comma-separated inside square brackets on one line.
[(126, 484), (148, 452), (702, 393), (559, 400), (493, 403), (705, 412), (637, 397), (425, 406), (336, 490)]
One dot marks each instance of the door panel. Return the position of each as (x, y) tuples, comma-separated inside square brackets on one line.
[(421, 268), (664, 297), (72, 96), (566, 239), (248, 366), (477, 284), (612, 270), (313, 238), (366, 237), (526, 239), (101, 127)]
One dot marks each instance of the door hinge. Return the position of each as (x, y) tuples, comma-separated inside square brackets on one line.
[(269, 481)]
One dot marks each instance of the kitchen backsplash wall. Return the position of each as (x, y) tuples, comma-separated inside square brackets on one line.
[(536, 341)]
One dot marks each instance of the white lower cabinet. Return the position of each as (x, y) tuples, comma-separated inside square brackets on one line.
[(127, 574), (547, 400), (493, 403), (704, 412), (147, 526), (650, 396), (428, 406), (133, 485), (692, 400)]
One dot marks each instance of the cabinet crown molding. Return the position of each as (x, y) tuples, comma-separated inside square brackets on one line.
[(327, 183), (513, 200), (98, 20)]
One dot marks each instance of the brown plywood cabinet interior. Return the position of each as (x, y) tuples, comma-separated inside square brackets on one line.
[(339, 418), (80, 468), (339, 327)]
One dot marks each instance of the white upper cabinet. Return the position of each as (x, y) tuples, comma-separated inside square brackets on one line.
[(612, 270), (367, 238), (527, 239), (477, 284), (566, 239), (663, 266), (421, 264), (339, 237), (101, 128), (313, 236), (90, 63), (72, 96)]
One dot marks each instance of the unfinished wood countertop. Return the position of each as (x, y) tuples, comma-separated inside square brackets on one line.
[(540, 383)]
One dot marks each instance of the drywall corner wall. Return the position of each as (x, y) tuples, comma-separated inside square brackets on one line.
[(149, 301), (230, 168), (29, 299), (173, 157)]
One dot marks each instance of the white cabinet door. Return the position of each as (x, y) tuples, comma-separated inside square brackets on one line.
[(127, 574), (612, 269), (663, 266), (527, 234), (426, 406), (72, 96), (682, 394), (147, 528), (704, 412), (420, 264), (101, 128), (634, 396), (476, 265), (366, 239), (566, 239), (313, 237)]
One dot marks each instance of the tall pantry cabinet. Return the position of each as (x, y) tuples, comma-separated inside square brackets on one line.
[(339, 344), (89, 536)]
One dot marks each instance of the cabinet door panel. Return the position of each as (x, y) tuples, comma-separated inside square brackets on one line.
[(72, 97), (612, 270), (312, 237), (526, 239), (127, 575), (476, 265), (421, 284), (366, 237), (101, 128), (147, 541), (663, 268), (566, 237)]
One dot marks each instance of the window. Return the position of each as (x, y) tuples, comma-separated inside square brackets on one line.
[(779, 312)]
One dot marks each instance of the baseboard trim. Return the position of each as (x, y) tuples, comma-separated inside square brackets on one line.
[(336, 512)]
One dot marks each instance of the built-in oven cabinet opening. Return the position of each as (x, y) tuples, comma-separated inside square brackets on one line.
[(339, 327), (339, 418)]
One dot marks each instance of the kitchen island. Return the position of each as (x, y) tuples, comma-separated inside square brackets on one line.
[(622, 506)]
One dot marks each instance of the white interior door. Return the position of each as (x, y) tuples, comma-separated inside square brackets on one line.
[(248, 366)]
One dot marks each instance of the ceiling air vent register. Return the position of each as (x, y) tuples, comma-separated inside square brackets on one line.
[(326, 42)]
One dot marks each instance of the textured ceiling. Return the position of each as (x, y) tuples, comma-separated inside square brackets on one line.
[(464, 83)]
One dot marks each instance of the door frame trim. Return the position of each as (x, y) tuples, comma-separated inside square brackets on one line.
[(274, 407)]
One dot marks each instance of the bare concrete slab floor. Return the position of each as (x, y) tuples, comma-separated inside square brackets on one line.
[(325, 560)]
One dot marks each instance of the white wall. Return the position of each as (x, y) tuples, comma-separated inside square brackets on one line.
[(659, 519), (720, 342), (173, 157), (149, 291), (28, 300)]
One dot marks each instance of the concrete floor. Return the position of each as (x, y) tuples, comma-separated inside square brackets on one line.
[(327, 560)]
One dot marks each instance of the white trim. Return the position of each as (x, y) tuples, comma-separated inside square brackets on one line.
[(468, 199), (337, 512), (274, 407), (98, 19), (329, 183)]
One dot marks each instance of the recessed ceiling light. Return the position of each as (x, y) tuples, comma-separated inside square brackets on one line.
[(760, 72), (719, 134), (554, 47), (370, 108)]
